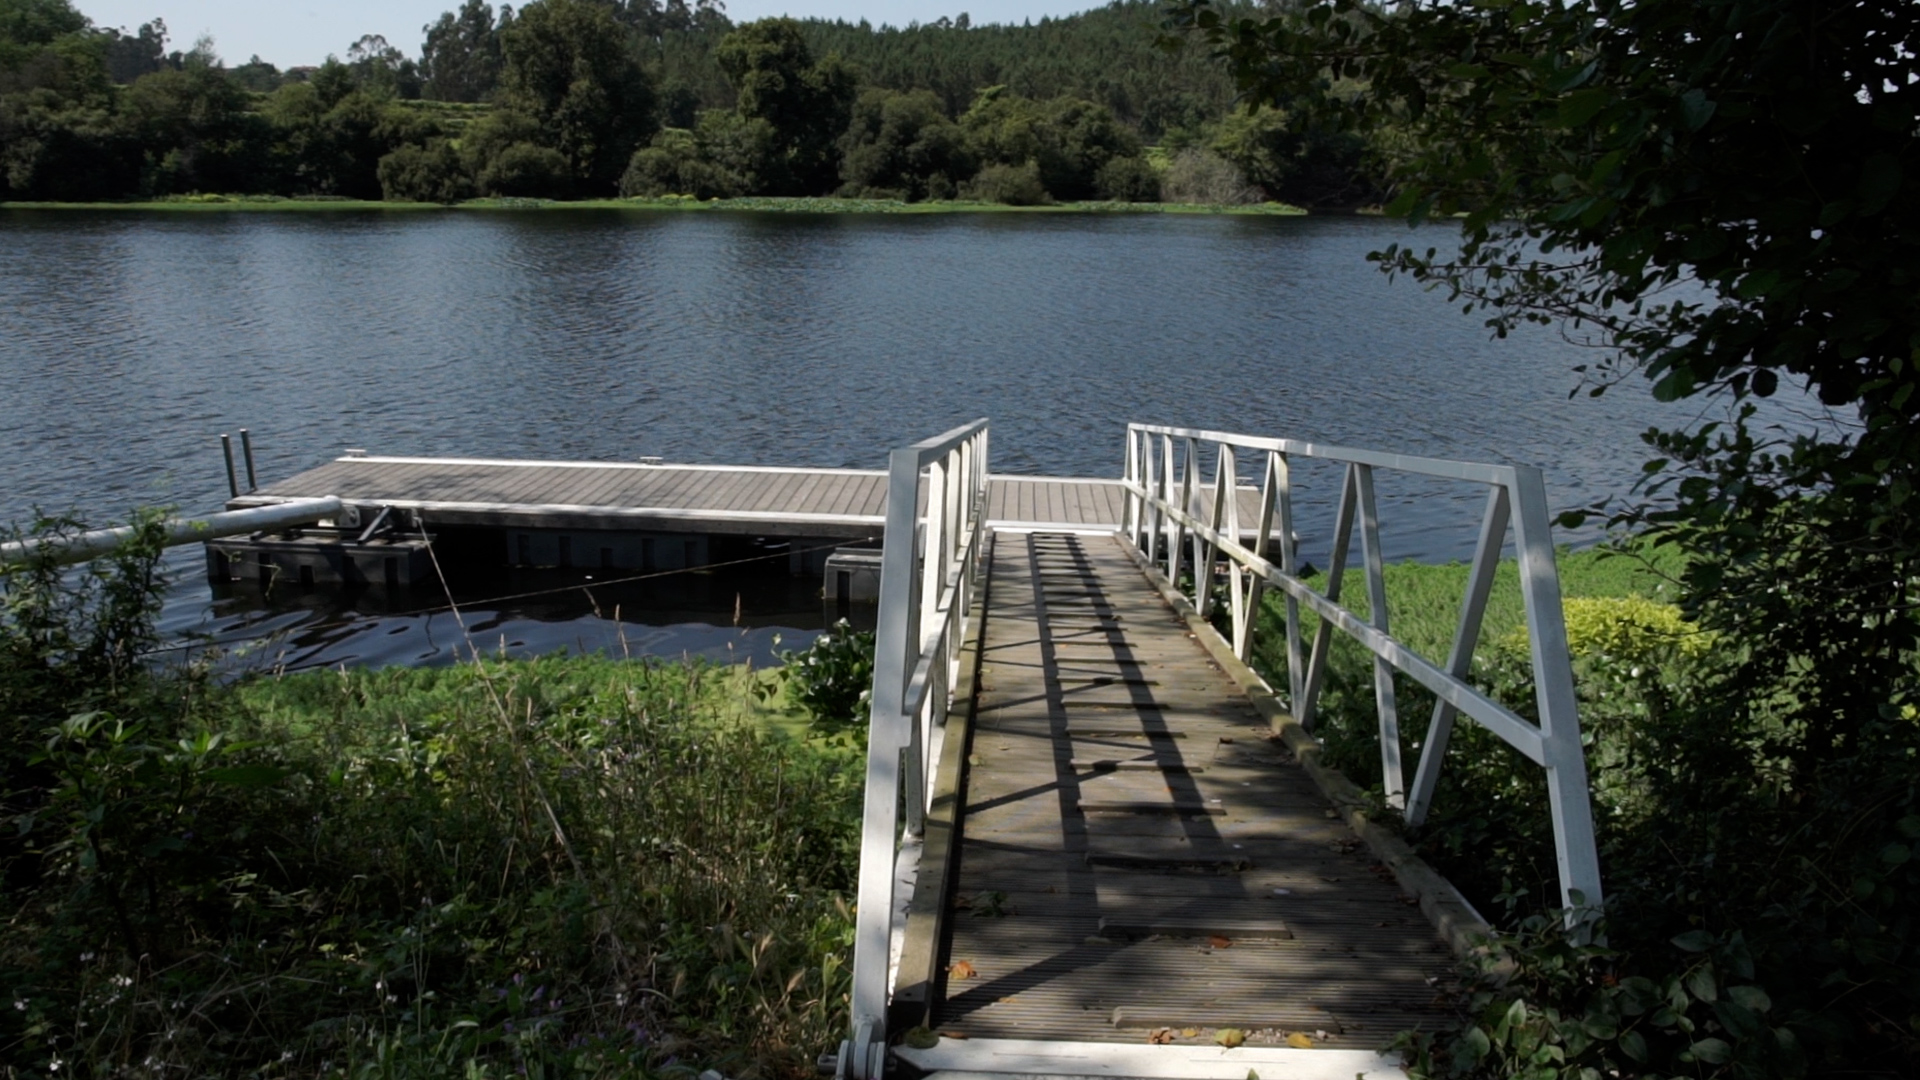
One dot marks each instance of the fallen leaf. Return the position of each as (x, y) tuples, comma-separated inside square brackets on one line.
[(1251, 1075), (1189, 1033), (1299, 1041), (1009, 999), (953, 1034), (1160, 1036), (1229, 1037), (1219, 942), (962, 970)]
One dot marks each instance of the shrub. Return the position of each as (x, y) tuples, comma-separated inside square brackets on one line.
[(675, 165), (430, 173), (1013, 185), (528, 171), (1207, 179), (1128, 179), (833, 678)]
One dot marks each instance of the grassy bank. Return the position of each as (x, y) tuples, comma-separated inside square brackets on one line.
[(259, 203), (573, 867)]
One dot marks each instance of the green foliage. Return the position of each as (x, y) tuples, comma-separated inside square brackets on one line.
[(804, 102), (430, 173), (1714, 193), (460, 57), (832, 679), (1295, 162), (1203, 177), (1013, 185), (1559, 1009), (198, 131), (1107, 55), (566, 65), (527, 171), (903, 145), (1128, 179), (553, 867), (681, 162), (1709, 820)]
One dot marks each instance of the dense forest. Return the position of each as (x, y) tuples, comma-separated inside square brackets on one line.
[(604, 98)]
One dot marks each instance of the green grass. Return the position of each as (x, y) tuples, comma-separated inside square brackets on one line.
[(256, 203), (564, 866), (1423, 601)]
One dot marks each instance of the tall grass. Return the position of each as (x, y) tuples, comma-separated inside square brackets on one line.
[(577, 867)]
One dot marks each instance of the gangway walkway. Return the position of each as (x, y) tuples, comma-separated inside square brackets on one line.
[(1095, 842), (1138, 854)]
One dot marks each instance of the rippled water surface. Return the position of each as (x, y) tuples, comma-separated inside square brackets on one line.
[(130, 341)]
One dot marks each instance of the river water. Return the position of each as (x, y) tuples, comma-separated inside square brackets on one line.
[(129, 341)]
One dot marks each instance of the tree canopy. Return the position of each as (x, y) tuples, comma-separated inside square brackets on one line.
[(1721, 195)]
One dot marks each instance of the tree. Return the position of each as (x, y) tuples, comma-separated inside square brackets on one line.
[(1068, 140), (430, 173), (903, 146), (460, 58), (383, 69), (1722, 194), (807, 103), (567, 66), (196, 129), (130, 56)]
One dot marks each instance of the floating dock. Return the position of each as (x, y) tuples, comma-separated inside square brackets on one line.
[(644, 516)]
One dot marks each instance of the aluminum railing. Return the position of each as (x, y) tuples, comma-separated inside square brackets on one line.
[(1171, 507), (173, 531), (928, 571)]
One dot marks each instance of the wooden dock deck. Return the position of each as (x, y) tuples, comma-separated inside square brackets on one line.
[(735, 499), (703, 498), (1138, 860)]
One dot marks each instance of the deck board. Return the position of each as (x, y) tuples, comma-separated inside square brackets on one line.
[(1082, 661)]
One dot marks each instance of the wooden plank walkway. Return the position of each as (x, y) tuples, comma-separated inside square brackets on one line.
[(685, 498), (1135, 852)]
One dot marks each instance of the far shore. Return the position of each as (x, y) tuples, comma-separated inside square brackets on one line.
[(202, 203)]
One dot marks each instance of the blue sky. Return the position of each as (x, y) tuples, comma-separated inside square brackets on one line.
[(305, 31)]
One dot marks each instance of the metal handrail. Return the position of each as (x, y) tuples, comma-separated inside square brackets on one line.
[(173, 531), (928, 569), (1171, 507)]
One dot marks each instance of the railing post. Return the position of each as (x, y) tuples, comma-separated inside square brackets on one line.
[(1386, 706), (1566, 762)]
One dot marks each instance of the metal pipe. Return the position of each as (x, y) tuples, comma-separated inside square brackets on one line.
[(226, 448), (176, 531), (246, 451)]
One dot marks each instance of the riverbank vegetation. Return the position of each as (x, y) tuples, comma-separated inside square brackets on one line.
[(566, 866), (1719, 198), (744, 204), (597, 99)]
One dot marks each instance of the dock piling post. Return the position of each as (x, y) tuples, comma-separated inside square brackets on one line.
[(226, 449), (246, 452)]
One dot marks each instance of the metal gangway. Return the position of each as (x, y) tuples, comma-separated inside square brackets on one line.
[(1188, 496)]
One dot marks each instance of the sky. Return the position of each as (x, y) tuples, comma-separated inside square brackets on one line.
[(291, 34)]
